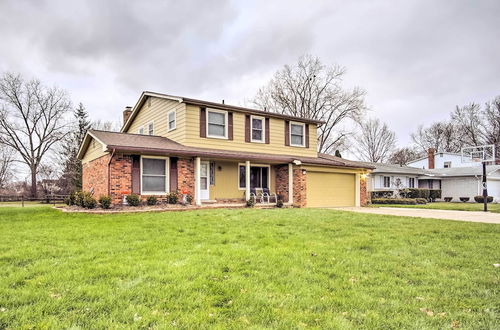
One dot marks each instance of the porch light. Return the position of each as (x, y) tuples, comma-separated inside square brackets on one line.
[(303, 171), (364, 176)]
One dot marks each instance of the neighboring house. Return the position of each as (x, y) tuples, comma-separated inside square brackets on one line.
[(440, 160), (217, 152), (453, 182)]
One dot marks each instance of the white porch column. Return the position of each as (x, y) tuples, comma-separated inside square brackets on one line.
[(290, 183), (197, 179), (358, 190), (247, 180)]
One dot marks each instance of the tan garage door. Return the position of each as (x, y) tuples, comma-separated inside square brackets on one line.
[(330, 189)]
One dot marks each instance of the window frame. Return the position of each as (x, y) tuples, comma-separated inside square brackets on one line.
[(296, 123), (383, 181), (139, 129), (225, 113), (256, 165), (168, 120), (410, 180), (153, 125), (263, 129), (447, 164), (167, 176)]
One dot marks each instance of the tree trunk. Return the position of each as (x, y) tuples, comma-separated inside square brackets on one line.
[(33, 182)]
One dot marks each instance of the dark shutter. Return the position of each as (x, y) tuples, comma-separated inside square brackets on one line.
[(203, 122), (267, 131), (307, 136), (230, 125), (287, 133), (247, 128), (173, 175), (136, 174)]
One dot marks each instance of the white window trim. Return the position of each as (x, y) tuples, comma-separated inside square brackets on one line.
[(225, 113), (263, 119), (168, 120), (147, 126), (139, 130), (383, 181), (255, 165), (303, 134), (167, 176)]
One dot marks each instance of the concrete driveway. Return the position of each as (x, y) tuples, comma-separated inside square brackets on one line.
[(471, 216)]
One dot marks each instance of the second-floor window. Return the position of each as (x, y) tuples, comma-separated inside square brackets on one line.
[(297, 134), (217, 124), (257, 129), (411, 182), (387, 182), (151, 130), (171, 120)]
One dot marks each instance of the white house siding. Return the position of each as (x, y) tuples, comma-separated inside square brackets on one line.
[(376, 181), (440, 159), (457, 187)]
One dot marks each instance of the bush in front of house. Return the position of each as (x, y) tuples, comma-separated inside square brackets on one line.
[(464, 199), (89, 202), (480, 199), (421, 200), (401, 201), (189, 199), (133, 200), (448, 199), (382, 194), (151, 200), (71, 199), (418, 193), (172, 198), (105, 202), (250, 202), (434, 194), (279, 203)]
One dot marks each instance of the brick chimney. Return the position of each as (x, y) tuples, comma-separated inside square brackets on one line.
[(430, 157), (126, 113)]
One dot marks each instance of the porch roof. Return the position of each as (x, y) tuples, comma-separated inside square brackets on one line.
[(158, 145)]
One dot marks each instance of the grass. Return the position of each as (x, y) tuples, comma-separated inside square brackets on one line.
[(245, 268), (495, 208)]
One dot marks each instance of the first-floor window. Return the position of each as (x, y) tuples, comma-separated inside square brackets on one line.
[(431, 184), (411, 182), (387, 182), (259, 177), (154, 175)]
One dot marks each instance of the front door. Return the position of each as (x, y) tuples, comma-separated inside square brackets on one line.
[(204, 186)]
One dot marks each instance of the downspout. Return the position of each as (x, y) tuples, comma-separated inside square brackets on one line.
[(109, 171)]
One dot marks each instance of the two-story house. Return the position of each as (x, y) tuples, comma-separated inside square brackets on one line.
[(216, 152)]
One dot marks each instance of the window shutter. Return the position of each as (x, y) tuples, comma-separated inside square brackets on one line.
[(267, 131), (173, 175), (287, 133), (136, 174), (307, 135), (203, 122), (247, 128), (230, 125)]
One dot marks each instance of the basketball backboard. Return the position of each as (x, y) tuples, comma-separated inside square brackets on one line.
[(481, 154)]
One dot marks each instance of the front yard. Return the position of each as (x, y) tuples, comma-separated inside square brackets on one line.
[(243, 268), (455, 206)]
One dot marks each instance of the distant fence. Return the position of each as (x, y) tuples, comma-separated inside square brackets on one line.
[(48, 199)]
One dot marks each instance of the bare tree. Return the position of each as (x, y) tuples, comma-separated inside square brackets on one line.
[(31, 119), (312, 90), (103, 125), (442, 136), (403, 156), (375, 141), (6, 159)]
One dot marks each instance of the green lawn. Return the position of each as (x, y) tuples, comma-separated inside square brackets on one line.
[(279, 268), (448, 206)]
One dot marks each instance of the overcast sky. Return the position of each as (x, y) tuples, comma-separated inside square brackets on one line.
[(416, 59)]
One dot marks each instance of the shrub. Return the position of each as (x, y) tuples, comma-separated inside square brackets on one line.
[(151, 200), (105, 202), (279, 203), (189, 199), (172, 198), (382, 194), (79, 195), (480, 199), (434, 194), (448, 199), (133, 200), (71, 199), (89, 202), (403, 201), (464, 199), (421, 200), (250, 202), (418, 193)]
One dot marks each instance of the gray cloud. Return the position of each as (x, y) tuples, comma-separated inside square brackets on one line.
[(416, 59)]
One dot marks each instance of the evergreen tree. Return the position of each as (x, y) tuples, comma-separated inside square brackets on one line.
[(71, 178), (337, 153)]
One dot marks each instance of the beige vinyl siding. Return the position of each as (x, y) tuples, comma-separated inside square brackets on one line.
[(94, 151), (157, 113), (276, 133)]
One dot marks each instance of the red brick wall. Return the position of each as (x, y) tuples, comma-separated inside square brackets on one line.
[(363, 198), (282, 181), (185, 176), (299, 188), (95, 176), (121, 177)]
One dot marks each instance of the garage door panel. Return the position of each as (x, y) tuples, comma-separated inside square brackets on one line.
[(330, 189)]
